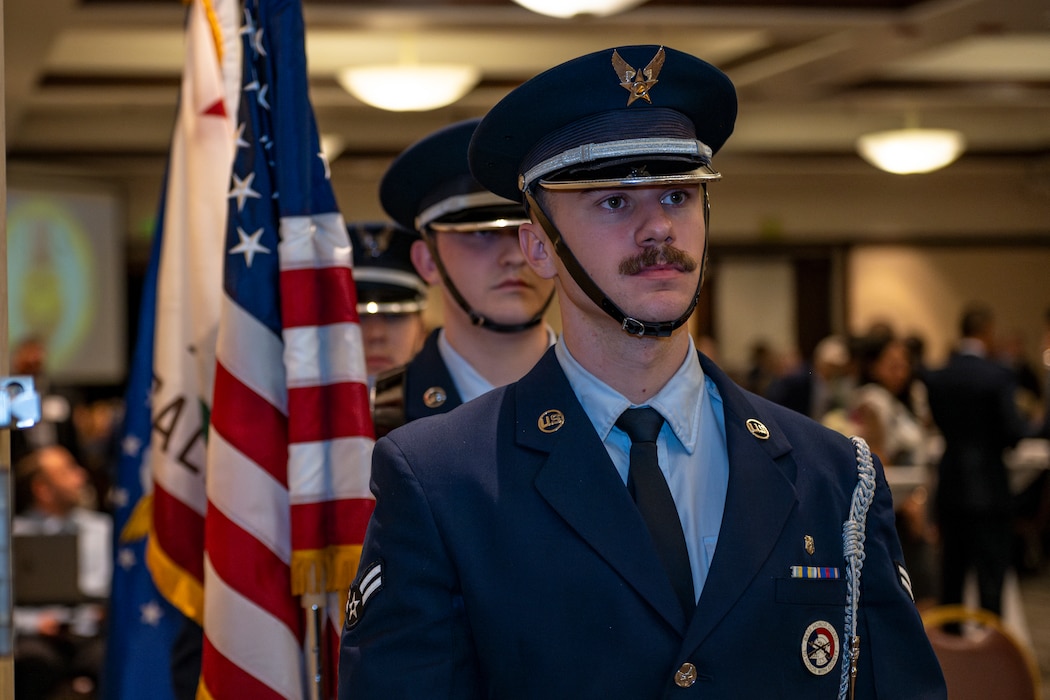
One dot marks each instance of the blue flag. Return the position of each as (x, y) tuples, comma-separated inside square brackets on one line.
[(142, 624)]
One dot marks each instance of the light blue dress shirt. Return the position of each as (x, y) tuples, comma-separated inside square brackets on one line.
[(469, 383), (691, 446)]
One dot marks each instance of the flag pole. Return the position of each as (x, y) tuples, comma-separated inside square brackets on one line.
[(314, 605)]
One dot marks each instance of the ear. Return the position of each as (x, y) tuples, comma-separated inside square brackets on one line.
[(424, 262), (537, 249)]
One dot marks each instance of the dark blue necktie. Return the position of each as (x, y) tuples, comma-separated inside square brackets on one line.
[(648, 488)]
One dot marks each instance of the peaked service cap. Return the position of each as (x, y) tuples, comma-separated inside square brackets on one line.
[(621, 116), (430, 181), (385, 278)]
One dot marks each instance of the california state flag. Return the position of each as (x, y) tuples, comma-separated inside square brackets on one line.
[(189, 293)]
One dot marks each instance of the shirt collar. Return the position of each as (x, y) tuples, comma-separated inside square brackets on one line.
[(469, 382), (972, 346), (677, 401)]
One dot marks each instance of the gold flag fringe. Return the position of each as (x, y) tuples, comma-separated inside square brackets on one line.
[(140, 520), (329, 570), (175, 583)]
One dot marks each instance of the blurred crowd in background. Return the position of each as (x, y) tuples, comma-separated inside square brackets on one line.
[(876, 384), (988, 434)]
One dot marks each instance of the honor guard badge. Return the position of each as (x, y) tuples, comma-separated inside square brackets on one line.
[(807, 540), (361, 591), (434, 397), (820, 648), (638, 85), (551, 421)]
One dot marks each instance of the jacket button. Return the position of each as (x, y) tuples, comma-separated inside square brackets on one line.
[(685, 676)]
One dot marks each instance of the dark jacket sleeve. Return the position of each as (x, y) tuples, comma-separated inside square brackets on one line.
[(409, 639)]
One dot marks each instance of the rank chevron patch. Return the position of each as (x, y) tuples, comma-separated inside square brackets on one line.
[(368, 584)]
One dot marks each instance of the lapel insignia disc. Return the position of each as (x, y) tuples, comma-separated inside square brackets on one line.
[(757, 429), (434, 397), (820, 648), (551, 421), (808, 541), (630, 80)]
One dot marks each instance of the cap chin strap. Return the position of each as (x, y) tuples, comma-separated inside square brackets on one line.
[(476, 318), (632, 326)]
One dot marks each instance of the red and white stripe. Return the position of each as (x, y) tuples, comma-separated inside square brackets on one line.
[(288, 456)]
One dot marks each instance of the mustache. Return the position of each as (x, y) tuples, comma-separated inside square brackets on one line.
[(658, 255)]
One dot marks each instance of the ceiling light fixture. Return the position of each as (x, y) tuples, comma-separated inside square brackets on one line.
[(912, 150), (409, 87), (573, 8)]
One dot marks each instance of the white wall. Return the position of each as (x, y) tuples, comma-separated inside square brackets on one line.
[(755, 301), (924, 289)]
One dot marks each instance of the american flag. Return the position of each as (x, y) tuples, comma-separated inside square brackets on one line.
[(291, 433)]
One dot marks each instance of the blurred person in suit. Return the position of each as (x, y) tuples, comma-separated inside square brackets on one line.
[(972, 399), (61, 644)]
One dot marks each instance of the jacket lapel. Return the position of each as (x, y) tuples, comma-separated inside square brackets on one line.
[(428, 371), (760, 472), (579, 481)]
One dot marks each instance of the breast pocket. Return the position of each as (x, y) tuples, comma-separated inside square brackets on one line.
[(811, 591)]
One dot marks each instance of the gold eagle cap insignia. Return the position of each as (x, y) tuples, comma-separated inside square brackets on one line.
[(638, 84), (377, 242)]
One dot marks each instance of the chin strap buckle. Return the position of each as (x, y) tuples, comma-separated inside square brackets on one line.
[(633, 326)]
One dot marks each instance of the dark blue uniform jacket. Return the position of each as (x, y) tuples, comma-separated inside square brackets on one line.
[(507, 562)]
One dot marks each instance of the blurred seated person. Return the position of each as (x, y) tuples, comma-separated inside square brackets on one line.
[(817, 387), (881, 413), (57, 645), (880, 409), (391, 296)]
